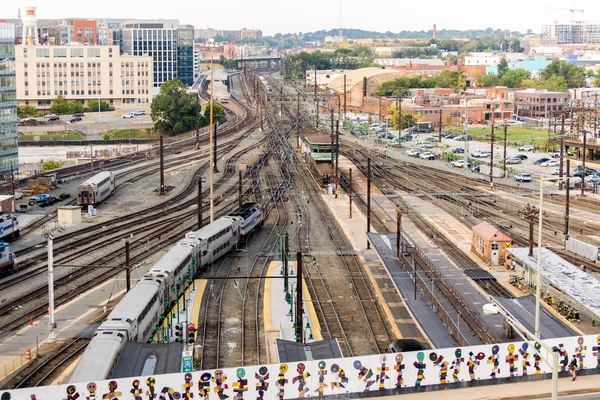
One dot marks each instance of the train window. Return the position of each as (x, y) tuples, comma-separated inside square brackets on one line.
[(129, 320)]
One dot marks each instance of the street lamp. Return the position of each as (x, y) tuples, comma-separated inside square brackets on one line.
[(306, 328)]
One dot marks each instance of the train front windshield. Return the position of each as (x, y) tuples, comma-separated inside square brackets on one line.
[(85, 196)]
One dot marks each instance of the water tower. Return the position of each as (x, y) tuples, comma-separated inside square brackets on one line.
[(30, 31)]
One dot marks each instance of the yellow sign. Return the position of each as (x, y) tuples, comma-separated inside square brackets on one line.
[(507, 246)]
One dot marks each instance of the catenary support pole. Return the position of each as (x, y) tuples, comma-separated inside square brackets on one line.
[(51, 327), (162, 168), (538, 276), (200, 202), (215, 151), (398, 232), (562, 154), (127, 267), (567, 200), (492, 152), (197, 121), (350, 192), (240, 199), (368, 200), (337, 157), (505, 146), (286, 251), (299, 308)]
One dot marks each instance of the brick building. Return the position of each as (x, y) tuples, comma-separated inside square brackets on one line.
[(85, 31), (489, 244), (533, 103)]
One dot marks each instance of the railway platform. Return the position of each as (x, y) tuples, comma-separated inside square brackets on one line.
[(278, 322)]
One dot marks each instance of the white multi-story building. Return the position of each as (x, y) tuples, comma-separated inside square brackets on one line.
[(576, 32), (484, 58), (324, 77), (82, 73), (156, 38)]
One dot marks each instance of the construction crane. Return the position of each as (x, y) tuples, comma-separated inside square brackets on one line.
[(571, 10)]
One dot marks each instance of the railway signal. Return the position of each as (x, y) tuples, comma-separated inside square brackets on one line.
[(178, 333), (191, 334)]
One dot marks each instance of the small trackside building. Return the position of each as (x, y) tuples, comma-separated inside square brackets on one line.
[(489, 244)]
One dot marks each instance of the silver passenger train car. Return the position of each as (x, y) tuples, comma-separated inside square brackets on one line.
[(96, 189), (135, 317)]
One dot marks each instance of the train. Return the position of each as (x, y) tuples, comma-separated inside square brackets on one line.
[(264, 82), (8, 261), (145, 306), (9, 226), (96, 189)]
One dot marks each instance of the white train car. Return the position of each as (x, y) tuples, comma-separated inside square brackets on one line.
[(252, 216), (96, 189), (9, 226), (99, 358)]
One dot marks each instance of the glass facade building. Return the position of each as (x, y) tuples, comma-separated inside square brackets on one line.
[(185, 55), (9, 151)]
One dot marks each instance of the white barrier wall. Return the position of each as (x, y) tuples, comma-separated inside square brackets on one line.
[(334, 376)]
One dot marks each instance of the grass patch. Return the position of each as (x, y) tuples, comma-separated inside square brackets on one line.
[(70, 135), (516, 135), (134, 133)]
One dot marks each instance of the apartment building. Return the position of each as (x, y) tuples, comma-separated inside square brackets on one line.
[(82, 73), (575, 32), (533, 103), (250, 33), (9, 151), (85, 31)]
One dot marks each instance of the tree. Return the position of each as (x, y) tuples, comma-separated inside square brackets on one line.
[(597, 80), (60, 105), (502, 67), (574, 76), (489, 80), (92, 105), (456, 80), (553, 83), (27, 111), (513, 78), (227, 63), (51, 164), (174, 109), (218, 113), (408, 118)]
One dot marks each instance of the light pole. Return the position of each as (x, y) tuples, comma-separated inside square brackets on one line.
[(211, 131), (306, 327)]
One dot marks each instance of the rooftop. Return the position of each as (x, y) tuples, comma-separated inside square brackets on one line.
[(489, 233)]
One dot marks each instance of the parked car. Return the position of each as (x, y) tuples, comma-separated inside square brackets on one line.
[(521, 157), (459, 150), (75, 119), (460, 164), (406, 138), (555, 171), (523, 177), (128, 115), (27, 119), (427, 156), (33, 201), (451, 136), (413, 152), (513, 160), (527, 147), (592, 178), (65, 195), (540, 161), (54, 118), (464, 138), (48, 116), (80, 115), (19, 195), (550, 163), (428, 145), (480, 153), (554, 154)]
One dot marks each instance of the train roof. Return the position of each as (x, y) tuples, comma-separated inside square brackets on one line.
[(96, 179), (210, 229), (246, 210), (98, 358), (135, 300), (171, 260)]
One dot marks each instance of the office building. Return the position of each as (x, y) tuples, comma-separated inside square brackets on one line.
[(533, 103), (9, 151), (85, 31), (82, 73), (185, 55), (156, 38)]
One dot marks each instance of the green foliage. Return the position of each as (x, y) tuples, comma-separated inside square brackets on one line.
[(408, 118), (105, 136), (27, 111), (51, 164), (92, 105), (502, 67), (174, 109), (62, 106), (70, 135), (218, 112), (597, 80), (553, 83), (513, 78), (227, 63), (296, 65), (573, 76), (489, 80), (446, 79)]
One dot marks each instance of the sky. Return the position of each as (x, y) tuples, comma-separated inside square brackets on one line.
[(288, 16)]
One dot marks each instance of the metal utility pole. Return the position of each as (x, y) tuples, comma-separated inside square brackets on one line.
[(127, 267), (337, 156), (199, 202), (92, 157), (467, 132), (584, 156), (51, 324), (562, 147), (299, 297), (368, 200), (286, 251), (492, 151), (332, 139), (505, 145), (441, 125), (567, 199), (162, 169), (530, 213), (240, 188), (211, 138), (350, 192), (197, 122), (345, 109), (298, 125), (316, 83), (398, 232), (215, 151), (317, 108), (399, 116), (12, 180)]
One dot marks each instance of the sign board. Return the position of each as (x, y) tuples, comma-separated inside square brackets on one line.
[(243, 167), (187, 361), (507, 245)]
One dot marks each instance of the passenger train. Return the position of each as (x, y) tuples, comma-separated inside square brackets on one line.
[(96, 189), (146, 304)]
